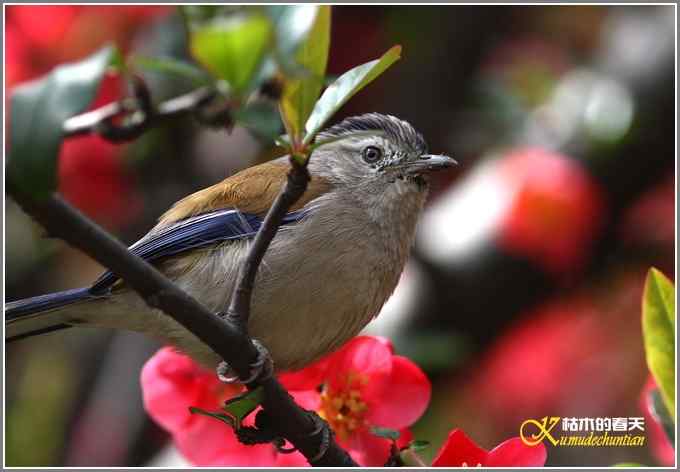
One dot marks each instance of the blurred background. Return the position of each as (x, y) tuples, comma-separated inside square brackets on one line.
[(522, 297)]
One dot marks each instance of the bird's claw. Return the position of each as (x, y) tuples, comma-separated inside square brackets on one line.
[(324, 430), (261, 369)]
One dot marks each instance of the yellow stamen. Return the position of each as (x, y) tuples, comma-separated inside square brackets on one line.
[(343, 408)]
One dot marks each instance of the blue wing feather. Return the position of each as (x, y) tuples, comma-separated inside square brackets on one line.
[(192, 233)]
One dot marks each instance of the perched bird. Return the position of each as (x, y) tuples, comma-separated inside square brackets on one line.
[(330, 268)]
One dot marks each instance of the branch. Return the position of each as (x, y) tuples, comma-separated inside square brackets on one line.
[(225, 339), (296, 184), (141, 114)]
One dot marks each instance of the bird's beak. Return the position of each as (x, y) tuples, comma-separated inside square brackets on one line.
[(429, 163)]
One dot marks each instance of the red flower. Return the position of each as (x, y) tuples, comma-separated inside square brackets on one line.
[(555, 210), (171, 382), (460, 451), (661, 446), (365, 385), (361, 386)]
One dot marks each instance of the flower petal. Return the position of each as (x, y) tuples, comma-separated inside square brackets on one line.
[(170, 383), (308, 378), (307, 399), (295, 459), (366, 356), (404, 398), (405, 437), (209, 442), (459, 450), (514, 453), (367, 449), (386, 341)]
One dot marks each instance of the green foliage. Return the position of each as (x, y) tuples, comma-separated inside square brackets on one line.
[(418, 445), (172, 66), (658, 326), (243, 405), (292, 25), (262, 118), (248, 46), (344, 88), (237, 49), (231, 47), (39, 109), (300, 94), (658, 409), (218, 416), (385, 433), (236, 408)]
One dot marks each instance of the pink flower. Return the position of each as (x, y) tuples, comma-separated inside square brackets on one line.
[(171, 383), (460, 451), (361, 386)]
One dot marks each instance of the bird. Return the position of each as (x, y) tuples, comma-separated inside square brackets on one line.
[(334, 262)]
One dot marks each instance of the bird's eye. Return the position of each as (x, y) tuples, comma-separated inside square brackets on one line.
[(371, 154)]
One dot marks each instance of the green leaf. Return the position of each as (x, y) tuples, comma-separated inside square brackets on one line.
[(224, 418), (658, 410), (39, 110), (261, 118), (658, 329), (243, 405), (347, 85), (232, 47), (385, 433), (300, 94), (172, 66), (292, 24), (628, 464), (418, 445)]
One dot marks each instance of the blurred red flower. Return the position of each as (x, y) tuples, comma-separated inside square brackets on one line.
[(460, 451), (545, 363), (555, 212), (50, 34), (91, 174), (651, 219), (661, 446), (362, 385)]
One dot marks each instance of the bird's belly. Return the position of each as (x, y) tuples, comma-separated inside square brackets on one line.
[(310, 296), (307, 318)]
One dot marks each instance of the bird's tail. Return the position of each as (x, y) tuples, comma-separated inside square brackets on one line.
[(41, 314)]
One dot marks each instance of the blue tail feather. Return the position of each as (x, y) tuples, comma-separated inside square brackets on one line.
[(28, 317), (27, 306)]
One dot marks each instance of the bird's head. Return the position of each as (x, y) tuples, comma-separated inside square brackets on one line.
[(376, 153)]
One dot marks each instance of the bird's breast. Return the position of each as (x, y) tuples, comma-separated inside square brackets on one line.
[(321, 281)]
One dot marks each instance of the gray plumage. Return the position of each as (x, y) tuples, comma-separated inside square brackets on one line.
[(323, 278)]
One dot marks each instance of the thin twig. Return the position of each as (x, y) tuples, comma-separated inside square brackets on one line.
[(296, 184), (99, 121), (234, 346)]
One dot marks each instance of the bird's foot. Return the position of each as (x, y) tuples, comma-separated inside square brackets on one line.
[(264, 432), (321, 428), (262, 368)]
